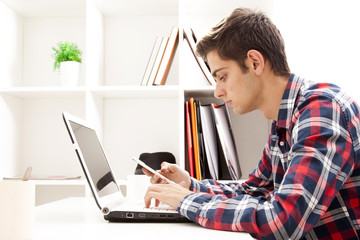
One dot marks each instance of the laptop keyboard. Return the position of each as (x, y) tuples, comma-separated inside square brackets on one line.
[(161, 207), (139, 206)]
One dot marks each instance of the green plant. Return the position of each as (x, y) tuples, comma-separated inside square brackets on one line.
[(66, 52)]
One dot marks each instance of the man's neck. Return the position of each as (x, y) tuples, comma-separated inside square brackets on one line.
[(274, 87)]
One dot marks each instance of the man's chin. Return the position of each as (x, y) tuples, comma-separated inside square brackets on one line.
[(238, 111), (241, 111)]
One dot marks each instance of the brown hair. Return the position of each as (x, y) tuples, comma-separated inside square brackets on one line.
[(242, 31)]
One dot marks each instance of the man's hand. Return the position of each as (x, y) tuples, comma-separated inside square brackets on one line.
[(172, 172), (170, 194)]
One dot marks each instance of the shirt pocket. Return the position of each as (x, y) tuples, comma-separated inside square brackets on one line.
[(283, 154), (280, 154)]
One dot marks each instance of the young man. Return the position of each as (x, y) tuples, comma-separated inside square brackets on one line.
[(307, 183)]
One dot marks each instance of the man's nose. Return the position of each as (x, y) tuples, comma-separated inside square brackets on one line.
[(219, 92)]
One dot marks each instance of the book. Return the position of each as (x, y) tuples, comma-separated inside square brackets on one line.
[(224, 130), (167, 57), (204, 168), (210, 140), (151, 61), (191, 40), (189, 145), (192, 104), (210, 144), (157, 62)]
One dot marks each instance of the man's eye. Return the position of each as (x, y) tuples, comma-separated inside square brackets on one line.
[(223, 77)]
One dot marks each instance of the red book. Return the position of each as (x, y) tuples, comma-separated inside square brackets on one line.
[(189, 141), (192, 106)]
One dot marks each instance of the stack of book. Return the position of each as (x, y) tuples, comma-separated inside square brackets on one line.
[(210, 145), (160, 59), (162, 55)]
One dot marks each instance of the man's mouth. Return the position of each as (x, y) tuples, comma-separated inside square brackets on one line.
[(228, 102)]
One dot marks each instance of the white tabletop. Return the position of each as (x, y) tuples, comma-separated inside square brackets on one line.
[(79, 218)]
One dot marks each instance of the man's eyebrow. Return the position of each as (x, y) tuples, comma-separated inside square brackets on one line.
[(216, 71)]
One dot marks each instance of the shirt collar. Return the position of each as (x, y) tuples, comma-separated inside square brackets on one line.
[(288, 101)]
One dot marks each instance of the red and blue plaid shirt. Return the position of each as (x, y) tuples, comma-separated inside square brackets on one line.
[(307, 183)]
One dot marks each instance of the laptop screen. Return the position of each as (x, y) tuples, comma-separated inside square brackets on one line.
[(95, 159)]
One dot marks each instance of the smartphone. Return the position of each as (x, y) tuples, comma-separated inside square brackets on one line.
[(151, 170)]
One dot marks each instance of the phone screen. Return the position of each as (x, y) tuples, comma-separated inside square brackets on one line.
[(151, 170)]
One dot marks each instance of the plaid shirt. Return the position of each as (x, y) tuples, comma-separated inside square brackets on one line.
[(307, 183)]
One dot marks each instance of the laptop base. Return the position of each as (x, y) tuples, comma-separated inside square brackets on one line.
[(120, 216)]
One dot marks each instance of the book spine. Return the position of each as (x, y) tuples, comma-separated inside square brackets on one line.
[(167, 57), (189, 140), (151, 61), (190, 37), (157, 61), (195, 139)]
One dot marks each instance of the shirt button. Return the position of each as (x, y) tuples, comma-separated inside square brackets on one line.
[(281, 143)]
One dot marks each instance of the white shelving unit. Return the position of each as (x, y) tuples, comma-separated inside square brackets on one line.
[(116, 38)]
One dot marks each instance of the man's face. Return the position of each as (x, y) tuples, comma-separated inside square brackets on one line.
[(239, 90)]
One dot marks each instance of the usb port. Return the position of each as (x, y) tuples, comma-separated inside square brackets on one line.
[(142, 215), (129, 215)]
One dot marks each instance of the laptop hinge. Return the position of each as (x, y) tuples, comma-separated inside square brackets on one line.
[(110, 201)]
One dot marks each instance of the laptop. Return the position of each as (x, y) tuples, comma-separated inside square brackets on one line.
[(102, 181)]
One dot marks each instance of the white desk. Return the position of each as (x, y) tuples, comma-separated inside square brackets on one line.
[(79, 218)]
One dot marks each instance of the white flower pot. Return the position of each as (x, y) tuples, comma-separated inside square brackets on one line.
[(70, 73)]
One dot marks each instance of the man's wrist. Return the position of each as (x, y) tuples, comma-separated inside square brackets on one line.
[(194, 185)]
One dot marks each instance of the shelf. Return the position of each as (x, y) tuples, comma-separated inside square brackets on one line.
[(116, 38), (53, 8), (44, 92), (103, 91), (138, 7), (201, 92), (81, 182), (137, 91), (218, 8)]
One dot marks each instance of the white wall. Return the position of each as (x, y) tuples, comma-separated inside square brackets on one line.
[(11, 52), (322, 40), (40, 35)]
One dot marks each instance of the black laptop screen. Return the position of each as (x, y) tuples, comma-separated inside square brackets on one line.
[(95, 159)]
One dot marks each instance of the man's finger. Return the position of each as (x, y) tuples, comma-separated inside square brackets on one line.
[(147, 172)]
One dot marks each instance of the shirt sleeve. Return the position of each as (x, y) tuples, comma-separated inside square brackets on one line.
[(319, 162)]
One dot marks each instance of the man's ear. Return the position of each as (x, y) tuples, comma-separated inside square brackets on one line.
[(256, 61)]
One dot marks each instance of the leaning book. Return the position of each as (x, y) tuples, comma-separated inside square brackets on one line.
[(224, 129)]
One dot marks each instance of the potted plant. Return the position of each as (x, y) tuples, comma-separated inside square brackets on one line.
[(67, 58)]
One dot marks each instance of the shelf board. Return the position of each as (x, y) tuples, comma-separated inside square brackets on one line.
[(218, 8), (59, 182), (167, 91), (81, 182), (201, 91), (54, 8), (138, 7), (44, 92), (137, 91)]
